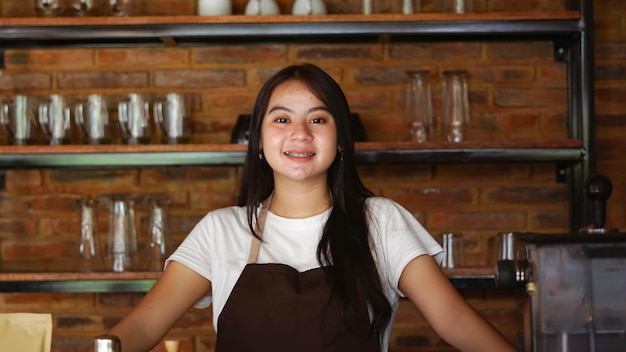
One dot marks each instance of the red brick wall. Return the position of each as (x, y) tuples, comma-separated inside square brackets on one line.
[(516, 89)]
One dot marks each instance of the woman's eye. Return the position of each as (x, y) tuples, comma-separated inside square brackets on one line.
[(317, 120), (281, 120)]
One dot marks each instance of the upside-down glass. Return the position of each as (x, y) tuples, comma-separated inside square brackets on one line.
[(452, 244), (411, 6), (89, 248), (134, 119), (83, 7), (54, 115), (48, 8), (92, 118), (18, 119), (121, 250), (121, 7), (170, 114), (157, 233), (418, 110), (455, 106), (457, 6)]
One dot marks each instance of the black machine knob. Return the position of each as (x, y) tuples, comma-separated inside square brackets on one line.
[(598, 189), (511, 273)]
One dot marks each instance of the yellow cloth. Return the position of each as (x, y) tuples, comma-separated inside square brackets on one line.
[(25, 332)]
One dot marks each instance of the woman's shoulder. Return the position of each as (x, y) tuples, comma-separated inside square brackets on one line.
[(384, 209), (379, 203)]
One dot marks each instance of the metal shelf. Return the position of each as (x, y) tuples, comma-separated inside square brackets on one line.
[(105, 156), (171, 30)]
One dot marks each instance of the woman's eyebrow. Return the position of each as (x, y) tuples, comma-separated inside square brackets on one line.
[(282, 108)]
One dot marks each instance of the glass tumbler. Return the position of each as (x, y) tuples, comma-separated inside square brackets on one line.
[(170, 115), (157, 234), (134, 119), (83, 7), (55, 119), (411, 6), (458, 6), (418, 112), (17, 117), (455, 106), (89, 247), (49, 8), (92, 118), (122, 241), (452, 244), (121, 7)]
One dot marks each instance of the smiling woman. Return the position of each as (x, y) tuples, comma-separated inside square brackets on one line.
[(308, 248)]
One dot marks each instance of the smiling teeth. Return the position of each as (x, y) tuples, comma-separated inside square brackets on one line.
[(300, 155)]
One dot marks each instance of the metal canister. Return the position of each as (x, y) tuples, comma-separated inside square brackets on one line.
[(107, 343)]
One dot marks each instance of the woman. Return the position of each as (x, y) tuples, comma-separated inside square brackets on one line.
[(310, 260)]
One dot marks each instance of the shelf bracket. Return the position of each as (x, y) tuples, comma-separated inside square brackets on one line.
[(3, 184), (561, 173), (168, 41), (1, 57), (561, 51)]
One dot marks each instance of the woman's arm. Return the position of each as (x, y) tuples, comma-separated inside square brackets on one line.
[(425, 284), (172, 296)]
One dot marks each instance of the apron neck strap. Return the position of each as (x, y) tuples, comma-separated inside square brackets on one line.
[(258, 228)]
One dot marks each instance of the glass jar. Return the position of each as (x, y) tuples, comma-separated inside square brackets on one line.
[(418, 113), (455, 106)]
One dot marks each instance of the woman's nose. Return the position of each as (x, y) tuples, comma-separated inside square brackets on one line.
[(301, 130)]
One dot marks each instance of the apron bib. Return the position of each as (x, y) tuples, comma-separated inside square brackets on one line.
[(274, 307)]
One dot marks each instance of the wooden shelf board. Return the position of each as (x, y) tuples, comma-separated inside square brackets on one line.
[(267, 19)]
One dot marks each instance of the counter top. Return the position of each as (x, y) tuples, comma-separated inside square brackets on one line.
[(142, 281)]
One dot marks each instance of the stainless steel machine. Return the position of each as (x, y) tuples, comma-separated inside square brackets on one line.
[(575, 283)]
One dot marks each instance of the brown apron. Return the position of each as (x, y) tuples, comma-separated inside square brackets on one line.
[(274, 307)]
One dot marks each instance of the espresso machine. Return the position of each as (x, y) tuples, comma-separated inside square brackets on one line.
[(575, 283)]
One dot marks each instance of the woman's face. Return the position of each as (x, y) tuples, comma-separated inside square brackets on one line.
[(298, 134)]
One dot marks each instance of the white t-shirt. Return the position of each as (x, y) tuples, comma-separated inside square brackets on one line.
[(219, 245)]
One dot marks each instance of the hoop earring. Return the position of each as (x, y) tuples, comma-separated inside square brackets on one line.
[(341, 155), (261, 155)]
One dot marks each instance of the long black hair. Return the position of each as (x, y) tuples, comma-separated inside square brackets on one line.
[(345, 241)]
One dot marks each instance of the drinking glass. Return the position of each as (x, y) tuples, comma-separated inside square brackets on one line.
[(54, 116), (83, 7), (418, 111), (458, 6), (134, 119), (411, 6), (455, 106), (92, 118), (170, 115), (121, 250), (89, 247), (18, 120), (120, 7), (452, 244), (48, 8), (157, 233)]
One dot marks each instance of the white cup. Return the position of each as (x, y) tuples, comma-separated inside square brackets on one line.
[(215, 7)]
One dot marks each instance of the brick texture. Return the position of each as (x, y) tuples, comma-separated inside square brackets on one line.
[(516, 91)]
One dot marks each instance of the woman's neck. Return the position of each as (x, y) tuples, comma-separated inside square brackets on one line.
[(300, 204)]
